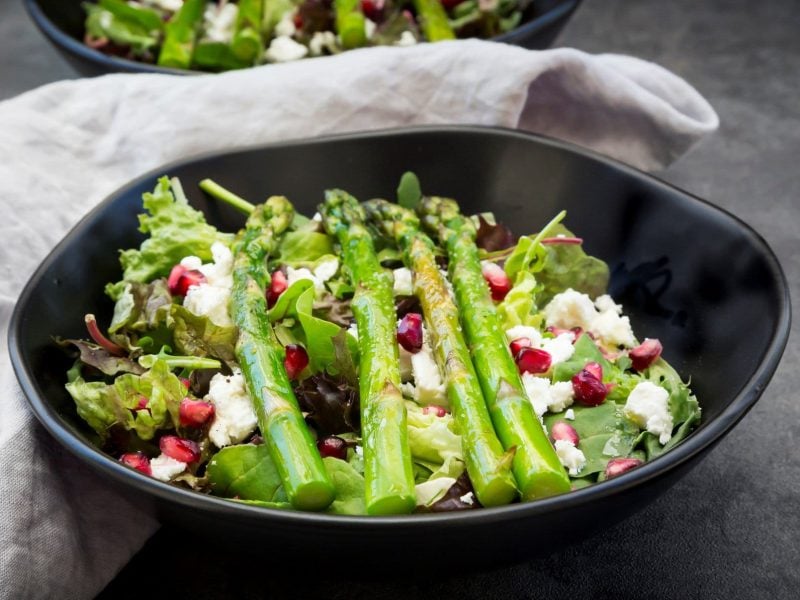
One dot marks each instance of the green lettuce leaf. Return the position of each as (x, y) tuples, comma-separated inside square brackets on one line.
[(176, 230), (102, 23), (99, 358), (197, 336), (350, 489), (141, 306), (432, 440), (304, 247), (518, 307)]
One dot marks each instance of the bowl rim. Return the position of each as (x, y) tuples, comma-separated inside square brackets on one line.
[(80, 50), (700, 440)]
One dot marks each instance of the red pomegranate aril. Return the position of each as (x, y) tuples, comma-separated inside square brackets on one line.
[(409, 332), (518, 344), (181, 279), (588, 389), (618, 466), (533, 360), (372, 9), (561, 430), (431, 409), (277, 285), (334, 446), (595, 369), (645, 354), (138, 461), (499, 282), (296, 360), (187, 383), (298, 21), (195, 413), (179, 448)]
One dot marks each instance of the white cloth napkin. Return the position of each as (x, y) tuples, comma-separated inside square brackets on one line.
[(67, 145)]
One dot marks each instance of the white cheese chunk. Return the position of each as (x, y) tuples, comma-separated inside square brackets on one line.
[(406, 39), (285, 27), (402, 282), (606, 303), (321, 42), (538, 390), (209, 301), (284, 49), (220, 21), (570, 414), (648, 406), (562, 395), (428, 385), (234, 417), (523, 331), (325, 270), (613, 329), (560, 348), (165, 467), (571, 457), (570, 309)]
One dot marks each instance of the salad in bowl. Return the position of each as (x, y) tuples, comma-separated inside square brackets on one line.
[(221, 35), (377, 358)]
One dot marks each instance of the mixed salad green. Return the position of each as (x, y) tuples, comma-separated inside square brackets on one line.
[(221, 35), (377, 358)]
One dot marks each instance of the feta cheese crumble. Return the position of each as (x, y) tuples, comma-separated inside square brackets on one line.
[(402, 282), (523, 331), (219, 22), (570, 414), (468, 498), (234, 417), (320, 42), (560, 348), (545, 396), (406, 39), (285, 27), (212, 297), (428, 385), (602, 317), (165, 467), (324, 271), (648, 407), (571, 457), (284, 49)]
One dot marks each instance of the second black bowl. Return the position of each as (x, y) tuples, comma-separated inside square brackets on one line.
[(61, 21)]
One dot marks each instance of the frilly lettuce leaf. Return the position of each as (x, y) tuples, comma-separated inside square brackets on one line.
[(100, 358), (102, 405), (518, 307), (141, 306), (432, 440), (176, 230)]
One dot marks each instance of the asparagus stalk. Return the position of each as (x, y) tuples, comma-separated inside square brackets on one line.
[(536, 466), (433, 19), (387, 460), (181, 34), (350, 23), (487, 465), (260, 357), (247, 44)]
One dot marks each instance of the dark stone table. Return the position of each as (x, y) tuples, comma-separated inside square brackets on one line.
[(730, 529)]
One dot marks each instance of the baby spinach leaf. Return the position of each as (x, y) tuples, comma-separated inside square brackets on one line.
[(350, 489), (409, 192), (302, 247), (246, 472)]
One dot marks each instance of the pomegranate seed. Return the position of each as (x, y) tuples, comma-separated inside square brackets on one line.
[(298, 21), (277, 286), (588, 389), (561, 430), (179, 448), (645, 354), (143, 402), (409, 332), (187, 383), (439, 411), (499, 282), (296, 360), (181, 279), (332, 446), (100, 339), (533, 360), (518, 344), (595, 369), (138, 461), (372, 9), (618, 466), (195, 413)]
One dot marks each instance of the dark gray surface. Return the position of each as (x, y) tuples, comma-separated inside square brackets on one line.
[(731, 529)]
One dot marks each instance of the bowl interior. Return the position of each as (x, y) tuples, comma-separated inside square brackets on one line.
[(686, 272)]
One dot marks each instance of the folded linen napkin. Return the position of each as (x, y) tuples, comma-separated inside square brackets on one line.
[(67, 145)]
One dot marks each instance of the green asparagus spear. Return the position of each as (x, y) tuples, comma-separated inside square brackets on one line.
[(181, 34), (387, 460), (247, 44), (350, 23), (487, 465), (536, 467), (260, 357), (433, 19)]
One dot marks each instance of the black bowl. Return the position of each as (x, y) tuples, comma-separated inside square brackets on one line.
[(62, 21), (687, 272)]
